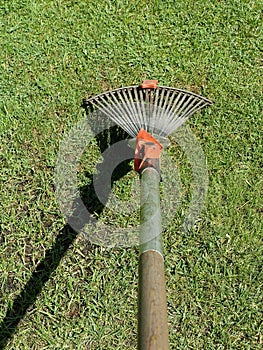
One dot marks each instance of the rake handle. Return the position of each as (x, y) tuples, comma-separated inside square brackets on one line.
[(152, 315), (153, 327)]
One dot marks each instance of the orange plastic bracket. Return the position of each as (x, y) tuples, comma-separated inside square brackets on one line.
[(149, 84), (148, 151)]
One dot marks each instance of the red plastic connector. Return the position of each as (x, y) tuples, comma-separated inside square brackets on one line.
[(149, 84), (148, 151)]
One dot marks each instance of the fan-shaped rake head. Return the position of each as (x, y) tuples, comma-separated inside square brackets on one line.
[(160, 110)]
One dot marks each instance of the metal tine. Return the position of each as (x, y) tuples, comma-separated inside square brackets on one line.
[(156, 122), (154, 118), (160, 122), (133, 106), (107, 100), (147, 104), (98, 104), (192, 101), (183, 106), (163, 102), (177, 107), (171, 114), (151, 94), (175, 95), (136, 104), (173, 101), (177, 123), (166, 128), (175, 116), (192, 108), (139, 111), (111, 95), (130, 104), (142, 100), (124, 116), (178, 110), (197, 107), (122, 95), (150, 110), (102, 102), (186, 116), (123, 106)]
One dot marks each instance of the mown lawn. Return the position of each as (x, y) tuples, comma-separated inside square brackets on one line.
[(58, 291)]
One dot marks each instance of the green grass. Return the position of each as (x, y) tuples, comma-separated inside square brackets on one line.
[(54, 53)]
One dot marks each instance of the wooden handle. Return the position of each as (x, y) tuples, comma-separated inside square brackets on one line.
[(152, 320)]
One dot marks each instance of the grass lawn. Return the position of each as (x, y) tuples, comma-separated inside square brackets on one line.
[(58, 291)]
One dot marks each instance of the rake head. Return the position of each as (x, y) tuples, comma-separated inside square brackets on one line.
[(159, 110)]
